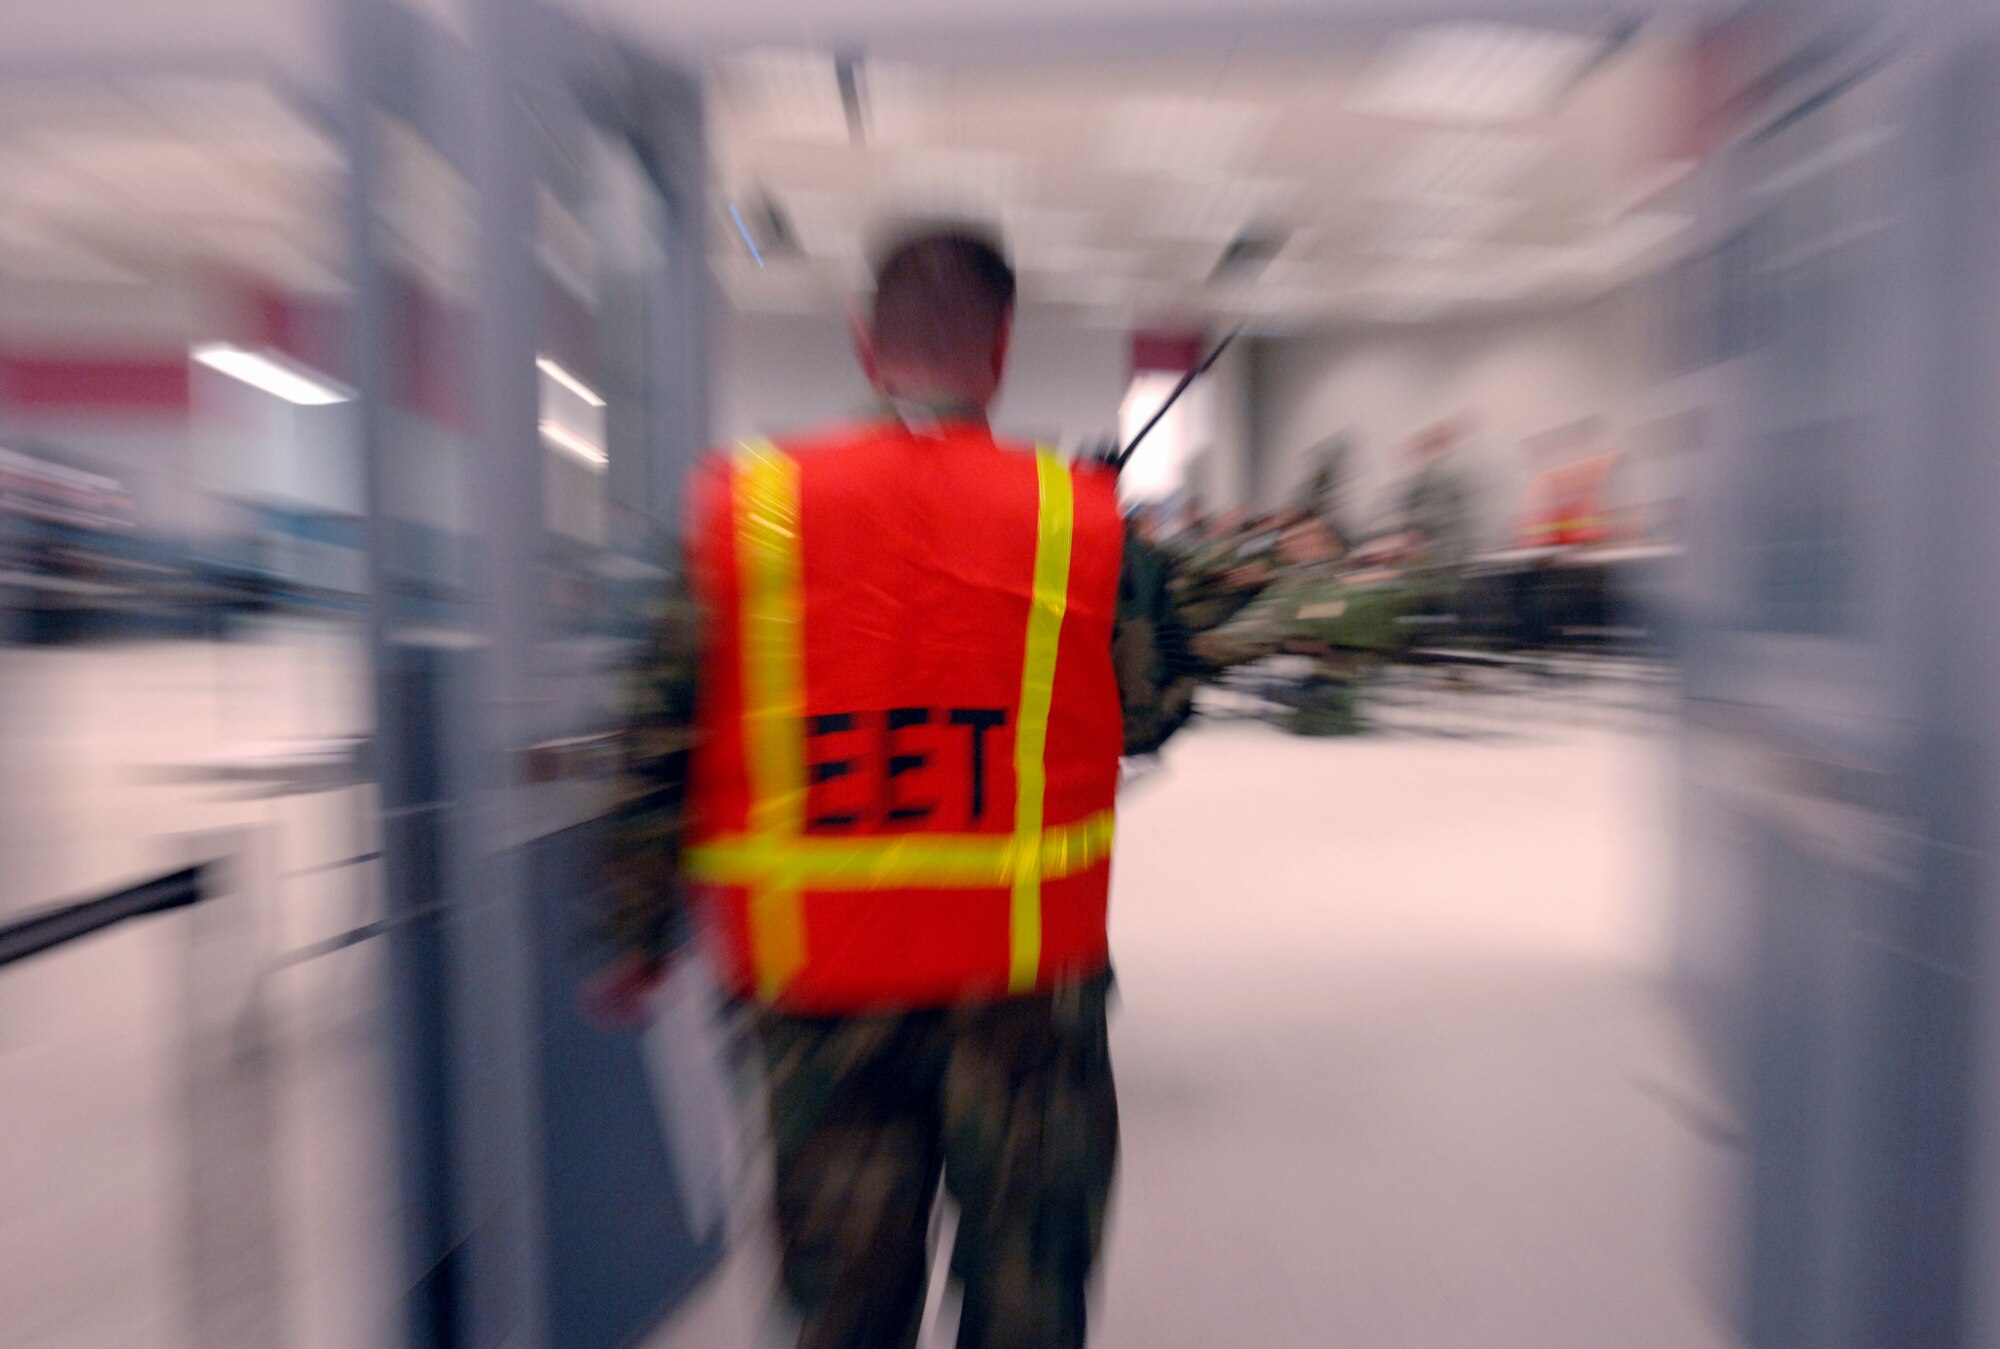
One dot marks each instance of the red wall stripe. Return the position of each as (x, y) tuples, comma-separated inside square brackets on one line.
[(1176, 353), (95, 384)]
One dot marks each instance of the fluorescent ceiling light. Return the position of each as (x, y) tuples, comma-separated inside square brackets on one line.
[(1463, 164), (565, 439), (786, 94), (1472, 72), (548, 366), (272, 374)]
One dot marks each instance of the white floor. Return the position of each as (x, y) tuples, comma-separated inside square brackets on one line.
[(1396, 1066), (101, 1160)]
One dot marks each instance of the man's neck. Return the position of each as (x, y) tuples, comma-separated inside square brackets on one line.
[(923, 412)]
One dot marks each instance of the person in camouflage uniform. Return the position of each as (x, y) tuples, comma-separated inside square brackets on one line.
[(1437, 503), (1316, 606), (1009, 1104), (1151, 654), (1328, 490), (1219, 571)]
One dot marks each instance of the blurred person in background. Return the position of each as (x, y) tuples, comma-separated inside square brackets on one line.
[(1307, 562), (1437, 503), (1328, 490), (1569, 499), (878, 736)]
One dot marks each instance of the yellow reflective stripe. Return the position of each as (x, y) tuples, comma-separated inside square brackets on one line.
[(913, 861), (917, 861), (772, 609), (1055, 528), (1070, 848)]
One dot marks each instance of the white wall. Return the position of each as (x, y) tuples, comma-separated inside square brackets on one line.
[(1171, 457), (1514, 379), (1202, 446), (160, 315), (785, 372), (1222, 477), (151, 450), (780, 372), (254, 445), (148, 453)]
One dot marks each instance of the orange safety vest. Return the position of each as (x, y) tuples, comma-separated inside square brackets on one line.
[(1571, 504), (909, 724)]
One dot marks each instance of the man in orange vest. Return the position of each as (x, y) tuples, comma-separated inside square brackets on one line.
[(878, 744)]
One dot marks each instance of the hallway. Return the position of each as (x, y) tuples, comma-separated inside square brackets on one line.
[(1396, 1066)]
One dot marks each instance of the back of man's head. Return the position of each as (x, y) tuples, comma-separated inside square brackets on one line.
[(943, 300)]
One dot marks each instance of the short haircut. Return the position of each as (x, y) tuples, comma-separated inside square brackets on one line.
[(941, 294)]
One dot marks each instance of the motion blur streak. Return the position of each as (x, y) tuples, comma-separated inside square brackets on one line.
[(1565, 923)]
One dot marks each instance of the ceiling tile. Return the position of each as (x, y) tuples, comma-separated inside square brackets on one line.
[(982, 183), (1219, 210), (1118, 185), (1472, 72), (1174, 136), (783, 94), (1463, 164)]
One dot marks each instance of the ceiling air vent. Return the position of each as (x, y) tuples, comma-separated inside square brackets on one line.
[(765, 228), (1249, 253)]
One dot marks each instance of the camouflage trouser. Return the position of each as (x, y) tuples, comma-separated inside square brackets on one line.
[(1011, 1103)]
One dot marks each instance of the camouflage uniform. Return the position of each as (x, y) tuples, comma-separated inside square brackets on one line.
[(1213, 579), (1157, 670), (1268, 623), (1010, 1103), (1438, 505), (1328, 490), (1349, 627)]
